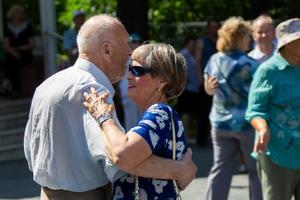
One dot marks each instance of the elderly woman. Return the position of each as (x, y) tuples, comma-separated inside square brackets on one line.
[(274, 111), (228, 75), (18, 45), (157, 74)]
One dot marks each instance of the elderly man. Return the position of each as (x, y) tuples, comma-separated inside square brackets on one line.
[(263, 35), (62, 143), (274, 111)]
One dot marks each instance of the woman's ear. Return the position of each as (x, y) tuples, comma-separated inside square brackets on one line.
[(162, 84)]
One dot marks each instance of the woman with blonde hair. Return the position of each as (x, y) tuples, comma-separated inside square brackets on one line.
[(157, 74), (228, 75)]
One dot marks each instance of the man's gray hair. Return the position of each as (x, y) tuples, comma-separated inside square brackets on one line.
[(264, 17), (94, 31)]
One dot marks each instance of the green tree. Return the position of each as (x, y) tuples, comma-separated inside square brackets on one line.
[(166, 17), (65, 9)]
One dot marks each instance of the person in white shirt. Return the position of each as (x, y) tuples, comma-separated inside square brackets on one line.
[(264, 37), (62, 143)]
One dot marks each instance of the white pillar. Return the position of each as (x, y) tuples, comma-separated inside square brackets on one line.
[(48, 24), (1, 22)]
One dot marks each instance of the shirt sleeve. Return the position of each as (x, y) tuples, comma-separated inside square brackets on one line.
[(211, 68), (95, 137), (153, 126), (259, 95)]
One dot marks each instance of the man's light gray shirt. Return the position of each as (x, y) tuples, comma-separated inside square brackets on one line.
[(63, 143), (258, 55)]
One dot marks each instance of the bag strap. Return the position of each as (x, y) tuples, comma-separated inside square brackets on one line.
[(177, 191), (176, 188)]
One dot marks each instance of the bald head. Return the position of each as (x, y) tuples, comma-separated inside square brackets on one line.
[(94, 31), (104, 41)]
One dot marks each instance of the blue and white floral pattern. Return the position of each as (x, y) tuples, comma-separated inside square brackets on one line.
[(156, 128)]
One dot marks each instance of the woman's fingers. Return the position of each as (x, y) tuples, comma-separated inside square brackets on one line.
[(104, 95), (96, 103), (93, 90)]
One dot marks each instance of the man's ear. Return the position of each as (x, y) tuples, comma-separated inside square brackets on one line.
[(106, 51)]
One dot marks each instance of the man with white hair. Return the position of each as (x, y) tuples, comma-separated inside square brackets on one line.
[(274, 111), (62, 143), (264, 37)]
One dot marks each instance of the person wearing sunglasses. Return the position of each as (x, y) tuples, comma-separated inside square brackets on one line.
[(157, 74), (62, 142)]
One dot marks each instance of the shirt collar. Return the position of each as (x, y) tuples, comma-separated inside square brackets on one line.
[(282, 64), (96, 72), (257, 53)]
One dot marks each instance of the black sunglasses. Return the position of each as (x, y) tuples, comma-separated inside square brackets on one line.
[(139, 70)]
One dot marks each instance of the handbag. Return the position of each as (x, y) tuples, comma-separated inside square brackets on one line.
[(176, 188)]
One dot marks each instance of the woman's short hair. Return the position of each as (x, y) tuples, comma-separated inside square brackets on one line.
[(166, 64), (13, 9), (231, 33)]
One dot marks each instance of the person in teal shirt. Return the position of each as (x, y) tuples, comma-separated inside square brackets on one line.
[(274, 111)]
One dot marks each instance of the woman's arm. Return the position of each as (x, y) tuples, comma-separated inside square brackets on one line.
[(125, 150), (183, 171), (132, 153), (211, 84), (263, 131), (27, 46), (9, 49)]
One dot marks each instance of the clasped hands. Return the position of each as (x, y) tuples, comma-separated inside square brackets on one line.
[(96, 103)]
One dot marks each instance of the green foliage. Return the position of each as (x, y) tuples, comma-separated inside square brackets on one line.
[(65, 9), (166, 17)]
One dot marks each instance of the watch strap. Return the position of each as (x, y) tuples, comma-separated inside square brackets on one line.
[(102, 118)]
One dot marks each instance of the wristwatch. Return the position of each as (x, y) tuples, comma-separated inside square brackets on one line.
[(102, 118)]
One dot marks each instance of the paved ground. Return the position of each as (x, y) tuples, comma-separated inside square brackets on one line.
[(16, 180)]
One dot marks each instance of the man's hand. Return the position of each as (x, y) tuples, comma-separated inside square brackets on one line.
[(262, 143), (189, 170)]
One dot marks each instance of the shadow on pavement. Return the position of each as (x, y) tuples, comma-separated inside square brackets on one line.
[(203, 158), (16, 181)]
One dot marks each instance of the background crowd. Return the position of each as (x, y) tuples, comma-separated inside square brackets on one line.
[(242, 79)]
